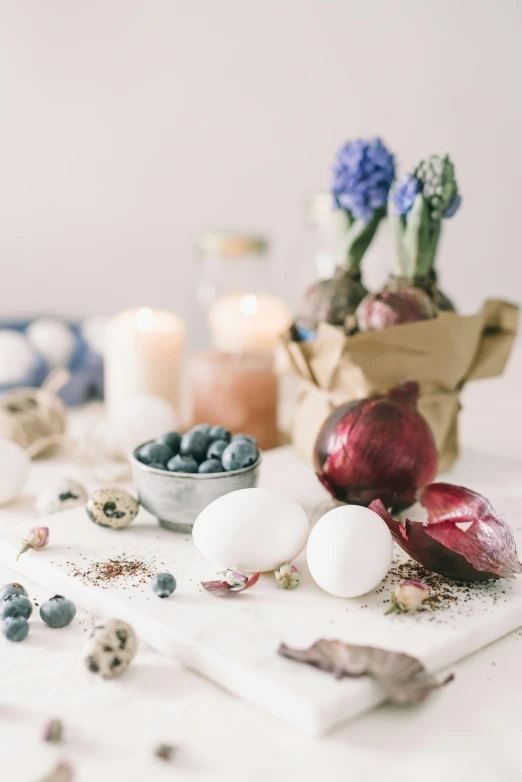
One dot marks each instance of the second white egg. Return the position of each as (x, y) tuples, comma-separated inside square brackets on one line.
[(349, 551), (253, 529)]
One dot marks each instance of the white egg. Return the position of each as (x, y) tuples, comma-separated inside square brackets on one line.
[(142, 417), (93, 330), (349, 551), (16, 357), (53, 339), (252, 529), (14, 469)]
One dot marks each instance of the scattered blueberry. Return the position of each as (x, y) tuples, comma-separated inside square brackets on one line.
[(163, 584), (216, 449), (15, 628), (172, 439), (58, 611), (155, 452), (195, 443), (246, 437), (16, 605), (12, 589), (182, 464), (239, 454), (210, 465), (220, 433)]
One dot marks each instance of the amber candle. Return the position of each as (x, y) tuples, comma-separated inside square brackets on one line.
[(236, 390)]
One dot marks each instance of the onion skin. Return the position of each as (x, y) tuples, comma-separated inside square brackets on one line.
[(486, 549), (380, 447), (390, 307)]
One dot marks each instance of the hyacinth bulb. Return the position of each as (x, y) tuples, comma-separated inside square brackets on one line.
[(332, 300), (380, 447), (427, 283), (379, 311)]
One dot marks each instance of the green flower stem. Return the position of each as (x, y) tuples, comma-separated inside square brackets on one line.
[(417, 238), (358, 238)]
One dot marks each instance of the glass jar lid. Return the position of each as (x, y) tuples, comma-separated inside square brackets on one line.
[(230, 245)]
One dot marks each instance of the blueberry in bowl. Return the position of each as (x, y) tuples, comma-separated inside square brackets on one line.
[(205, 463)]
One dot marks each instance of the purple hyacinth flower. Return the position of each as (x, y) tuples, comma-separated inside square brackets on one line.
[(404, 193), (361, 177)]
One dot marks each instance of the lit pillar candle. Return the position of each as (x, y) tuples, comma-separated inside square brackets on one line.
[(248, 322), (143, 354)]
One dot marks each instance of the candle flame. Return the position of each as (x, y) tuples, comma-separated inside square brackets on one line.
[(249, 304), (145, 319)]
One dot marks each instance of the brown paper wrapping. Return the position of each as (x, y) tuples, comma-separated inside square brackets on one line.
[(441, 354)]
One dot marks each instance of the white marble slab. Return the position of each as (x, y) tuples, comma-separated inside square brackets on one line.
[(234, 641)]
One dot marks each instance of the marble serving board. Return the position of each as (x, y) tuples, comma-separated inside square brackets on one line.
[(234, 641)]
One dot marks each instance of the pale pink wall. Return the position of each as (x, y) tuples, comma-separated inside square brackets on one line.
[(127, 125)]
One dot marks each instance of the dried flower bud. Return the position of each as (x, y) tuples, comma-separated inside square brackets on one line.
[(53, 730), (36, 538), (235, 578), (165, 751), (408, 596), (287, 576)]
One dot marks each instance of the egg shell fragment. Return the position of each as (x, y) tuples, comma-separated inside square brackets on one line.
[(252, 529)]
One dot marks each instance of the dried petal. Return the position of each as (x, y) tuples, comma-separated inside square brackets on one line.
[(165, 751), (62, 772), (403, 678), (484, 549), (223, 588)]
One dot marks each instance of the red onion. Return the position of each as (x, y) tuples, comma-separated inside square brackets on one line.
[(484, 548), (380, 447), (378, 311)]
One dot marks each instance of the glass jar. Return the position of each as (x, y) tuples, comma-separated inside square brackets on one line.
[(327, 229)]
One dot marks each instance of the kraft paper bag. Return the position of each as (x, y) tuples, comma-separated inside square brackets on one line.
[(441, 354)]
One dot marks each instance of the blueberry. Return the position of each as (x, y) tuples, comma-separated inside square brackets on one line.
[(16, 605), (216, 449), (182, 464), (58, 611), (220, 433), (12, 589), (158, 465), (211, 465), (172, 439), (205, 428), (163, 584), (245, 437), (239, 454), (155, 452), (15, 628), (195, 443)]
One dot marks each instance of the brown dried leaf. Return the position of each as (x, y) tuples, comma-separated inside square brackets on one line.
[(403, 678)]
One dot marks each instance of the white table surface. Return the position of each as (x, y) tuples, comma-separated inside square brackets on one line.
[(467, 731)]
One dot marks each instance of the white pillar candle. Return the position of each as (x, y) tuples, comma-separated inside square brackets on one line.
[(143, 354), (248, 322)]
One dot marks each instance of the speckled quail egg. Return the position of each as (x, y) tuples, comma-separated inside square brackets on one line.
[(112, 507), (110, 648), (65, 495)]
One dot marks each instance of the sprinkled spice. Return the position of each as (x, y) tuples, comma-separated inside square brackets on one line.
[(132, 572)]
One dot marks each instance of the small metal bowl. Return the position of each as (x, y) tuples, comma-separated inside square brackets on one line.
[(177, 498)]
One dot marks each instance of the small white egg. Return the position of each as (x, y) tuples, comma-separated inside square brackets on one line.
[(349, 551), (252, 529), (14, 469), (142, 417), (53, 339), (93, 330), (16, 357)]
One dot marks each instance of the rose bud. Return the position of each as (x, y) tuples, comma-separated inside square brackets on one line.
[(287, 576), (53, 730), (408, 596), (235, 578), (36, 538)]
